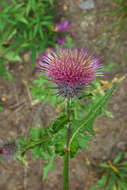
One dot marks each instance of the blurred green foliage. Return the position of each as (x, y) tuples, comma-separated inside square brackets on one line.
[(25, 25)]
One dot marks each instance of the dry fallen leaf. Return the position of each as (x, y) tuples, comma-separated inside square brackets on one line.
[(4, 98), (65, 7)]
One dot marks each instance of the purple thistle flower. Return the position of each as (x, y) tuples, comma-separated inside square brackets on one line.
[(71, 70), (42, 55), (62, 26), (9, 150), (60, 41)]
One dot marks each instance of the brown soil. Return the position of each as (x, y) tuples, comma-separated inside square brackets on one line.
[(19, 115)]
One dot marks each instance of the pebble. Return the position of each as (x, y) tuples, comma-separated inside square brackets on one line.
[(121, 145), (65, 7), (122, 92), (116, 107), (27, 57), (84, 24), (87, 5), (88, 21)]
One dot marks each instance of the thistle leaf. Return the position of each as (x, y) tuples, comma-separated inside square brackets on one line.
[(86, 124), (48, 167)]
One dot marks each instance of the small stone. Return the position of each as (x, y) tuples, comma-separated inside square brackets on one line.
[(104, 158), (87, 5), (116, 107), (84, 24), (65, 7), (125, 156), (121, 145), (27, 57), (88, 21), (20, 67), (4, 98), (122, 92)]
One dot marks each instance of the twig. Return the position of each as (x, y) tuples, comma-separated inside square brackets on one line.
[(29, 94)]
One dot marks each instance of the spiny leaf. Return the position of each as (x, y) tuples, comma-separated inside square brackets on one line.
[(95, 111), (37, 151), (74, 148), (83, 143), (104, 165), (59, 141), (59, 123), (23, 141), (34, 133), (117, 158), (48, 167)]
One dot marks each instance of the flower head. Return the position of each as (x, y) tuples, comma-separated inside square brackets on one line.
[(60, 41), (42, 55), (71, 70), (62, 26), (8, 150)]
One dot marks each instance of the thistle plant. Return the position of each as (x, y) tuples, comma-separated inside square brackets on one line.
[(71, 74), (70, 70)]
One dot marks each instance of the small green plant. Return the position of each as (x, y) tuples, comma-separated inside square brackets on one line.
[(27, 25), (113, 174), (6, 57)]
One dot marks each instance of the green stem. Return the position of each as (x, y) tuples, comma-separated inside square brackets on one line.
[(66, 171), (67, 153)]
